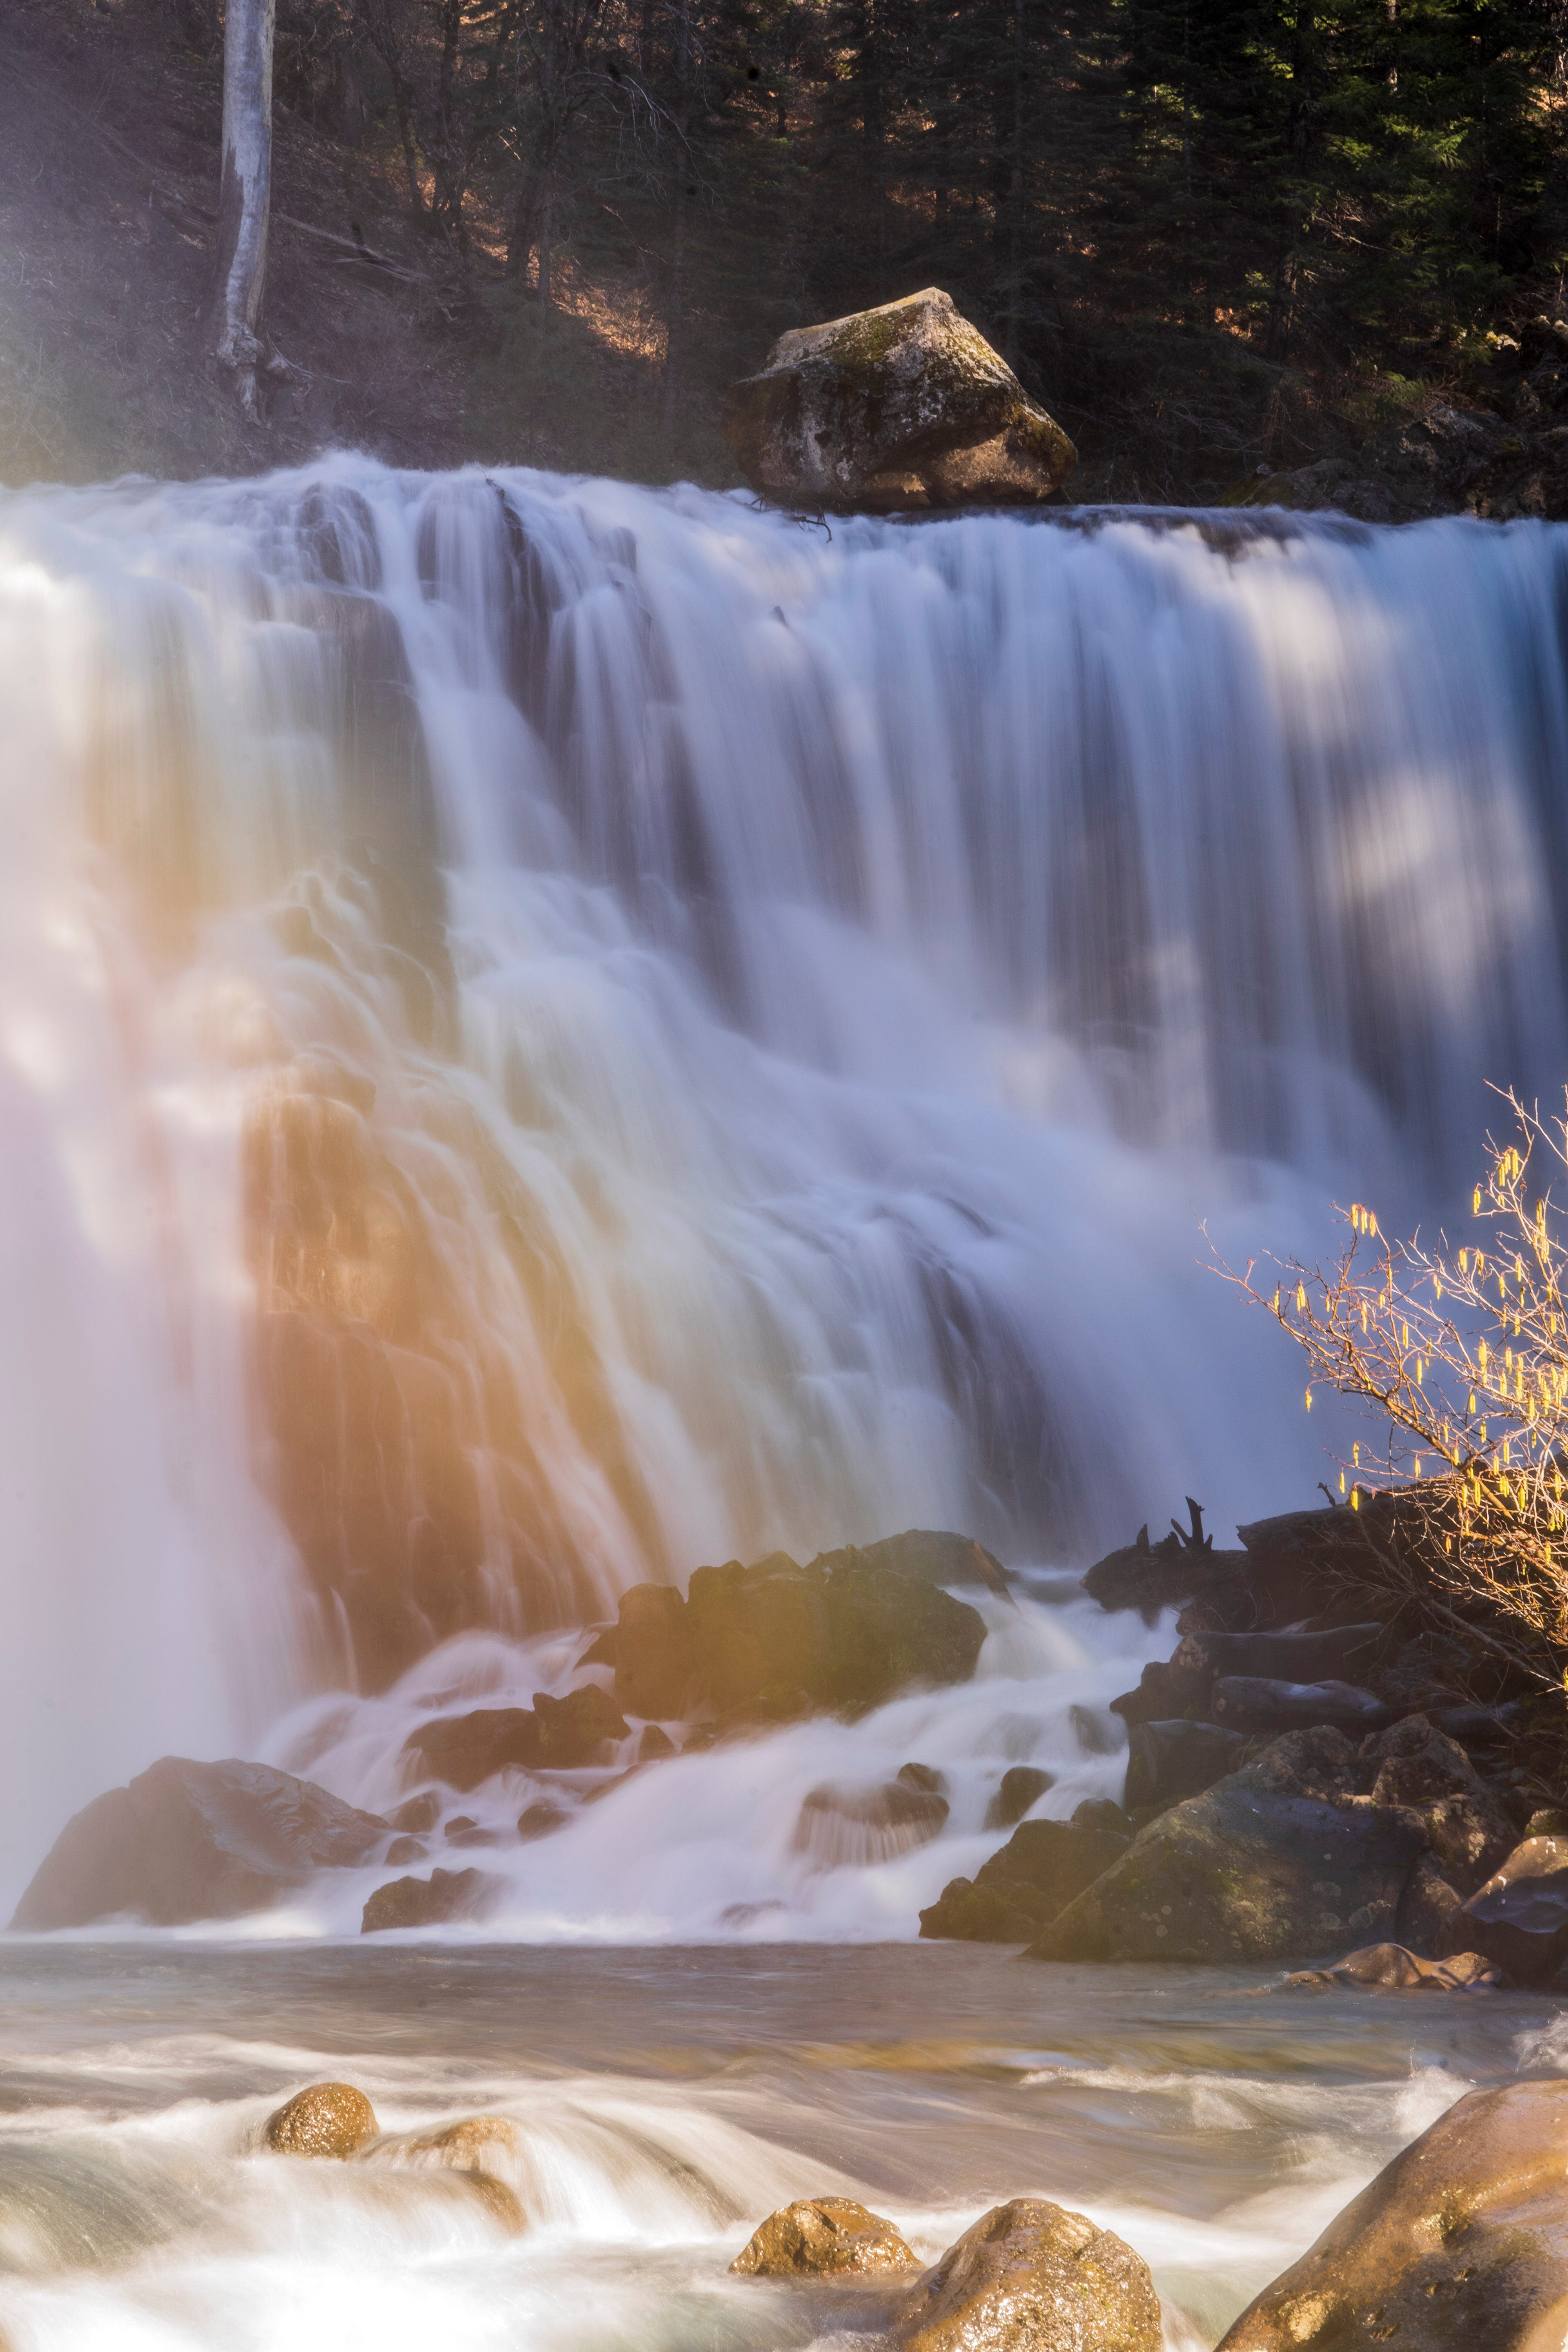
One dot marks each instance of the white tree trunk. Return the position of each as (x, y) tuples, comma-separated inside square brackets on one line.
[(245, 192)]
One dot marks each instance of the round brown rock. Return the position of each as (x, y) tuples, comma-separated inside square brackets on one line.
[(1460, 2245), (1032, 2277), (475, 2144), (824, 2237), (328, 2120)]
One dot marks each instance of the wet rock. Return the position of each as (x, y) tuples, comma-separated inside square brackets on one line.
[(446, 1895), (1251, 1872), (760, 1637), (903, 406), (1420, 1766), (1520, 1918), (1041, 1869), (652, 1652), (1101, 1813), (933, 1556), (463, 1831), (559, 1733), (1095, 1737), (1252, 1703), (327, 2119), (1547, 1820), (1021, 1786), (540, 1820), (1032, 2277), (655, 1745), (1427, 1906), (1394, 1968), (404, 1850), (472, 2144), (1168, 1761), (922, 1776), (187, 1840), (1460, 2245), (886, 1632), (418, 1813), (845, 1825), (1156, 1699), (499, 2197), (824, 2237)]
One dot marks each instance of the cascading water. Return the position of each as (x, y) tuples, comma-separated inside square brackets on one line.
[(550, 1032), (553, 1031)]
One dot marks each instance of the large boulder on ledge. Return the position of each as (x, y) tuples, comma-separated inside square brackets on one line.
[(903, 406)]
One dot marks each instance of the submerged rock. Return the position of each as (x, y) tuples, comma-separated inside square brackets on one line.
[(187, 1840), (903, 406), (1460, 2245), (1042, 1868), (1520, 1918), (1032, 2277), (824, 2237), (327, 2119), (843, 1826), (1391, 1966), (429, 1902)]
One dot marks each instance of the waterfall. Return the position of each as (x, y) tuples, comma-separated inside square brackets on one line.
[(553, 1031)]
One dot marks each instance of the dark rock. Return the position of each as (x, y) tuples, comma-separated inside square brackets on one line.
[(1032, 2277), (1287, 1656), (760, 1637), (603, 1650), (429, 1902), (1021, 1786), (932, 1556), (886, 1632), (1460, 2245), (1101, 1813), (1251, 1872), (1168, 1761), (1040, 1869), (469, 1833), (1427, 1906), (846, 1825), (922, 1776), (328, 2120), (418, 1813), (404, 1850), (1391, 1967), (538, 1820), (1157, 1699), (1251, 1702), (1520, 1918), (824, 2237), (1547, 1820), (189, 1841), (1419, 1766), (561, 1734), (655, 1745), (653, 1653), (903, 406)]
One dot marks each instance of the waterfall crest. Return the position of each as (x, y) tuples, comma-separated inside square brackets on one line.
[(554, 1032)]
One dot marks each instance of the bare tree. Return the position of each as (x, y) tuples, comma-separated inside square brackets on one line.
[(244, 195)]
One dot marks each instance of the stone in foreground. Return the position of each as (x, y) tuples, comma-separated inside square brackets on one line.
[(1042, 1867), (900, 407), (1460, 2245), (1032, 2277), (327, 2119), (188, 1841), (824, 2237)]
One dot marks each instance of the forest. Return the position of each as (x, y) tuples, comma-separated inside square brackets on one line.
[(1208, 233)]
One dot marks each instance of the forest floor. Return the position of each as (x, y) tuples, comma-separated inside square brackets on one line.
[(109, 167)]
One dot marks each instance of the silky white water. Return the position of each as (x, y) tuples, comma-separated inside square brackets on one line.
[(817, 1000)]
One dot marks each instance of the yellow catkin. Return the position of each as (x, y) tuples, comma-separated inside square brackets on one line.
[(1309, 1399), (1476, 1203), (1300, 1299), (1342, 1482)]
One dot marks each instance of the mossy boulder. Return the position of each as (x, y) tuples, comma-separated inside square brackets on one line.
[(905, 406), (1043, 1867), (1277, 1863)]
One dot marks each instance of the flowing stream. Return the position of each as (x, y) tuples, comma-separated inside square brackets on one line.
[(550, 1032)]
